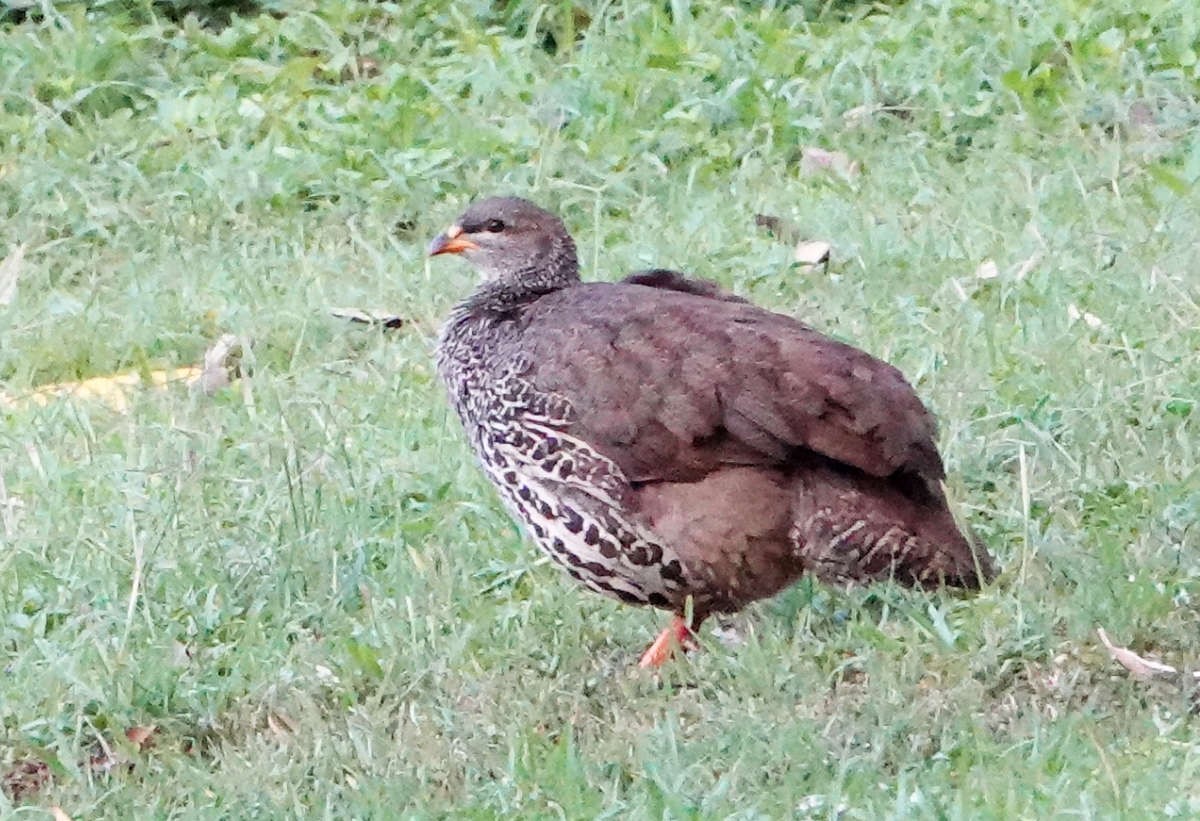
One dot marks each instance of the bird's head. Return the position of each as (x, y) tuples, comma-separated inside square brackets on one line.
[(513, 243)]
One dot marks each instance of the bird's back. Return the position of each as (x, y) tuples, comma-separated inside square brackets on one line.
[(666, 378)]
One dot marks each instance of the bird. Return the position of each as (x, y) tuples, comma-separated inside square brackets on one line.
[(670, 444)]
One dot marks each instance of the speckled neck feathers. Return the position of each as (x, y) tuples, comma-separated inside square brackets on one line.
[(557, 266)]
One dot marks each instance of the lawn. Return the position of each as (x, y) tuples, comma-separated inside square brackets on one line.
[(297, 595)]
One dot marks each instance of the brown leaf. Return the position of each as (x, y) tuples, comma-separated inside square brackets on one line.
[(105, 761), (282, 725), (1143, 669), (142, 737), (362, 68), (26, 778)]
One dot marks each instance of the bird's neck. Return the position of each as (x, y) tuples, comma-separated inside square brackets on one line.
[(476, 340), (498, 297), (558, 268), (482, 326)]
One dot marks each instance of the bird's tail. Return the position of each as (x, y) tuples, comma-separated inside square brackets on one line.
[(860, 528)]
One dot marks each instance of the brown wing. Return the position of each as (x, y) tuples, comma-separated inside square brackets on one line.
[(669, 280), (672, 382)]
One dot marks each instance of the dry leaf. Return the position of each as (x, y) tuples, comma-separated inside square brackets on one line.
[(363, 68), (30, 776), (369, 316), (1025, 267), (859, 114), (282, 725), (1091, 320), (222, 364), (107, 759), (181, 654), (142, 737), (815, 160), (10, 270), (1143, 669), (26, 778), (987, 270), (59, 815), (813, 252), (10, 507)]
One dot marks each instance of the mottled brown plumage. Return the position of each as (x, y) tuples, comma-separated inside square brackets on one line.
[(666, 441)]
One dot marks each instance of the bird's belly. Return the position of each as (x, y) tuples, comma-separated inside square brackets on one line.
[(732, 531)]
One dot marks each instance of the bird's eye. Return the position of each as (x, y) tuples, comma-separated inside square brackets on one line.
[(494, 226)]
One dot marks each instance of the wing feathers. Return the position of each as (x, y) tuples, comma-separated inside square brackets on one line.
[(673, 382)]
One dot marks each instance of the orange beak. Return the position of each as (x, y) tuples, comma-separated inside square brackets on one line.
[(450, 241)]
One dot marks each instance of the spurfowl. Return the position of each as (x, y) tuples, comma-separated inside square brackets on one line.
[(670, 444)]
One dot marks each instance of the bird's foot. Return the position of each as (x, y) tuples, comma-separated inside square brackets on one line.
[(677, 636)]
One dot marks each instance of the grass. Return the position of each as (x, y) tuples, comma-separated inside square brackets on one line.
[(310, 591)]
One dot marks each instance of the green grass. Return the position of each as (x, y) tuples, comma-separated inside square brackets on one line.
[(333, 615)]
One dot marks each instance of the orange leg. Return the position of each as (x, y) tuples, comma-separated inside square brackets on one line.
[(677, 636)]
